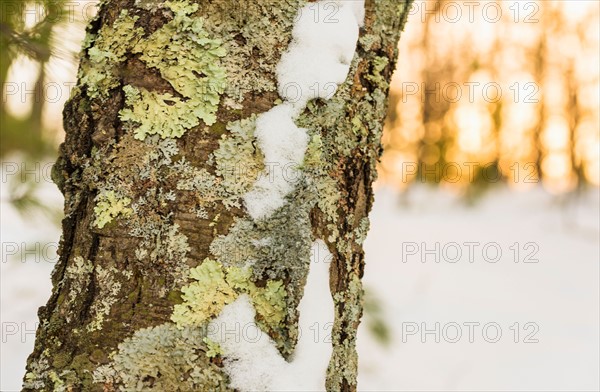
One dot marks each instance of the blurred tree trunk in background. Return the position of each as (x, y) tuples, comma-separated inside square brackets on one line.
[(25, 132), (153, 177)]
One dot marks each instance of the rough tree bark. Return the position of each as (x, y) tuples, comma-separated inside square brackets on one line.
[(159, 151)]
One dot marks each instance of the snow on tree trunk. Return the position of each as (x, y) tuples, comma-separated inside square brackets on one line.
[(216, 152)]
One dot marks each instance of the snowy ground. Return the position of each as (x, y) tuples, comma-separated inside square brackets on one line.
[(559, 294), (554, 300)]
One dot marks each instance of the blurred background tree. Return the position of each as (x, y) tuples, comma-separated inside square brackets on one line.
[(496, 92), (39, 42)]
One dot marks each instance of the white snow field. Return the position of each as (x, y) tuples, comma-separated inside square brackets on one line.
[(472, 299), (558, 295)]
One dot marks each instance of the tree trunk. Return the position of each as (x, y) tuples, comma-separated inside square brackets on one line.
[(158, 168)]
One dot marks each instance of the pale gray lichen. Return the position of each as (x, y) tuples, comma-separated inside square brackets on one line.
[(348, 305), (253, 33), (163, 358), (78, 276), (237, 160), (150, 5), (362, 230), (37, 375), (274, 253), (108, 292), (78, 273), (163, 244), (162, 152), (191, 178)]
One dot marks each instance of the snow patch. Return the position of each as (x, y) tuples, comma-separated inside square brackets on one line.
[(252, 360), (323, 45), (317, 61), (283, 145)]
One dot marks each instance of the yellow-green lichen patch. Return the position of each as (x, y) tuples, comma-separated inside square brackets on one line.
[(60, 385), (370, 41), (155, 113), (269, 302), (379, 64), (213, 349), (189, 59), (184, 54), (205, 297), (162, 358), (215, 287), (316, 169), (109, 206), (109, 48)]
